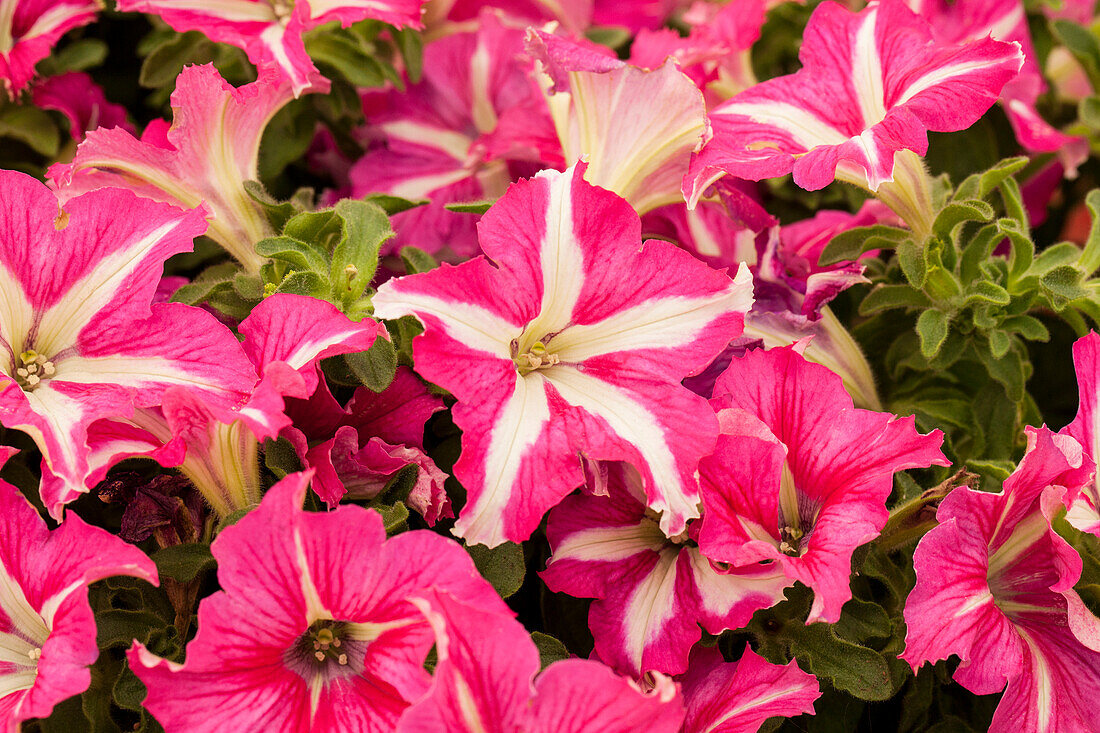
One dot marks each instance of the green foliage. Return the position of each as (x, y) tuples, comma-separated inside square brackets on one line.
[(503, 566)]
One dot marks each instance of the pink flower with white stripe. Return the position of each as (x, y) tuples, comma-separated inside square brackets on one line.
[(29, 29), (488, 679), (356, 449), (652, 592), (737, 697), (47, 630), (1084, 507), (872, 85), (995, 587), (217, 447), (636, 129), (575, 343), (799, 476), (313, 629), (457, 135), (270, 31), (211, 148), (1005, 20), (78, 337)]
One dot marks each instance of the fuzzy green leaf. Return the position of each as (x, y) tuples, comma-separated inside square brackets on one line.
[(184, 562), (887, 297), (503, 566), (932, 328), (849, 245), (375, 368)]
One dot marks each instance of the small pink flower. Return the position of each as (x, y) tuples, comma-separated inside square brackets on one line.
[(47, 630), (314, 628)]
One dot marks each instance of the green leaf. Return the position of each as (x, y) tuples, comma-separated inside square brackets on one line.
[(932, 328), (297, 254), (988, 292), (31, 126), (470, 207), (1088, 111), (1061, 285), (305, 283), (119, 627), (999, 343), (129, 692), (887, 297), (855, 669), (550, 649), (249, 287), (211, 280), (286, 138), (395, 517), (959, 212), (1028, 327), (355, 258), (911, 257), (79, 55), (184, 562), (417, 260), (503, 566), (376, 366), (280, 457), (394, 204), (980, 185), (1008, 370), (410, 43), (1090, 257), (234, 518), (849, 245), (343, 53), (166, 61)]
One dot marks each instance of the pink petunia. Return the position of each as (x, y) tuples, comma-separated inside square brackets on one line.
[(314, 628), (80, 339), (652, 592), (574, 343), (29, 29), (995, 587), (1084, 509), (47, 630), (799, 476)]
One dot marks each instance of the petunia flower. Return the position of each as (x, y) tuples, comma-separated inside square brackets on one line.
[(574, 343), (652, 592), (270, 31), (737, 697), (1084, 509), (318, 636), (217, 447), (872, 85), (356, 449), (995, 587), (799, 476), (636, 129), (78, 338), (29, 29), (204, 157), (1005, 20), (457, 135), (82, 101), (47, 630), (487, 679)]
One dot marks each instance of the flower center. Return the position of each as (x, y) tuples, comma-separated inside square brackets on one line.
[(537, 357), (282, 9), (32, 368), (326, 651), (796, 519)]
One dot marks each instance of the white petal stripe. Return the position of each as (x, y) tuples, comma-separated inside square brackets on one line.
[(805, 127), (632, 422), (651, 606), (610, 544), (945, 73), (516, 430), (471, 325), (660, 323), (561, 259)]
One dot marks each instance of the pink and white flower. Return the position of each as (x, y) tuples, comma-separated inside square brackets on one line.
[(319, 636), (211, 148), (79, 339), (995, 587), (635, 129), (486, 680), (29, 29), (270, 31), (652, 592), (457, 135), (737, 697), (217, 447), (1005, 20), (1084, 507), (573, 344), (77, 96), (872, 85), (47, 630), (799, 476)]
